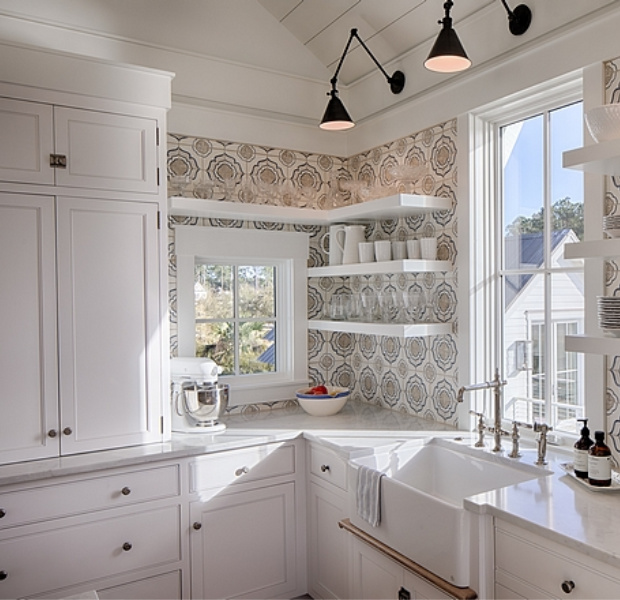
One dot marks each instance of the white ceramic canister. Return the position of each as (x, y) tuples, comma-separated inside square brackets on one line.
[(354, 236)]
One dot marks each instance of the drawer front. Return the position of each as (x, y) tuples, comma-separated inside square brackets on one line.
[(74, 497), (328, 466), (543, 566), (77, 550), (242, 466)]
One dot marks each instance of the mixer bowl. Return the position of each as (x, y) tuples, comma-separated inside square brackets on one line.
[(205, 403)]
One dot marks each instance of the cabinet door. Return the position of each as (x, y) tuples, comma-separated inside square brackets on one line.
[(245, 544), (106, 151), (109, 324), (159, 587), (327, 544), (375, 577), (27, 141), (28, 365)]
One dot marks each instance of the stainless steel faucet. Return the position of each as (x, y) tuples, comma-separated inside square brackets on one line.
[(496, 385), (543, 429)]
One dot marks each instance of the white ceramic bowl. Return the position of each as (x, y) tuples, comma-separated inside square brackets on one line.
[(604, 122), (323, 405)]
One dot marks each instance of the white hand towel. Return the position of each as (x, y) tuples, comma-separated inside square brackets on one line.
[(369, 495)]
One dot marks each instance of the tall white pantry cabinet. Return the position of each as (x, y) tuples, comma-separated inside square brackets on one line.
[(83, 358)]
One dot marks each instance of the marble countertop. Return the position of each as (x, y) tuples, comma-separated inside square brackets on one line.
[(553, 505)]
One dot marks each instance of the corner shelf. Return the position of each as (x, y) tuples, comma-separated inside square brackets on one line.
[(593, 344), (602, 158), (375, 268), (593, 249), (391, 207), (403, 330)]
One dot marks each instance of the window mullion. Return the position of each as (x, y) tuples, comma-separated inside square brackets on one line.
[(237, 324)]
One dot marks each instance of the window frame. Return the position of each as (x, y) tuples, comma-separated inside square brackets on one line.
[(478, 262), (288, 251)]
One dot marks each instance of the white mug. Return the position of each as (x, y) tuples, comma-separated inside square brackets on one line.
[(413, 249), (399, 250), (336, 236), (354, 235), (383, 250), (428, 248), (367, 252)]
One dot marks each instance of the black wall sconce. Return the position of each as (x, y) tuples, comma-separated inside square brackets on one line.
[(336, 117), (519, 19), (447, 54)]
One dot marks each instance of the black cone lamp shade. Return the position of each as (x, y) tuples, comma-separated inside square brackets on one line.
[(447, 54), (336, 117)]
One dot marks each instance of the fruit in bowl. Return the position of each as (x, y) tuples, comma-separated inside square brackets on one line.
[(321, 400)]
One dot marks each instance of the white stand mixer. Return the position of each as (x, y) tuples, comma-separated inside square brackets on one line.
[(198, 400)]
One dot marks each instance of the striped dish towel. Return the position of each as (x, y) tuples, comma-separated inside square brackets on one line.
[(369, 495)]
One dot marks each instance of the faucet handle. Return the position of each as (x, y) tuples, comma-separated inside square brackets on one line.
[(542, 428), (480, 428)]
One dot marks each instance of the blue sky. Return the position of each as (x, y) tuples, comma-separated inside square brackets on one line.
[(523, 172)]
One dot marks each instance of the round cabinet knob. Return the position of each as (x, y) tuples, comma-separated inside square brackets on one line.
[(568, 586), (127, 546), (241, 471), (2, 513), (324, 468), (52, 433), (67, 431), (3, 575), (126, 491), (197, 525)]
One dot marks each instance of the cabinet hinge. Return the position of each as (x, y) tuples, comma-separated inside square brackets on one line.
[(161, 425), (159, 219), (157, 176), (157, 136), (58, 161)]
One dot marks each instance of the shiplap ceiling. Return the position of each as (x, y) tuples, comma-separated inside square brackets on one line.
[(390, 28)]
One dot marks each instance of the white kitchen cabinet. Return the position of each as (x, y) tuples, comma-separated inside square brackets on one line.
[(81, 308), (90, 149), (247, 523), (93, 534), (328, 544), (529, 566), (108, 322)]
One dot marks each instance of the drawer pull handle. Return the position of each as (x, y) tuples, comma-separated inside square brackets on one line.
[(325, 468), (2, 513), (3, 575), (197, 525), (126, 491), (67, 431), (52, 433), (127, 546), (241, 471), (568, 586)]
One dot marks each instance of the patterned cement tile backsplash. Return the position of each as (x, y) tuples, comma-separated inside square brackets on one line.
[(417, 375)]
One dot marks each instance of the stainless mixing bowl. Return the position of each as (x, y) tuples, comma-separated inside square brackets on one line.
[(205, 403)]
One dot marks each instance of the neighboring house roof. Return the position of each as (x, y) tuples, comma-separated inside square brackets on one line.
[(523, 251), (269, 355)]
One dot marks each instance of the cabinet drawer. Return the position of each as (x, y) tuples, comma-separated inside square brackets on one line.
[(70, 551), (328, 466), (73, 497), (249, 464), (547, 565)]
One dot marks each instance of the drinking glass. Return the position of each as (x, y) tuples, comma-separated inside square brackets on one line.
[(369, 305), (389, 306)]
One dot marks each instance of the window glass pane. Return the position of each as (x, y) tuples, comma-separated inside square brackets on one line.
[(522, 147), (257, 353), (566, 184), (524, 347), (256, 292), (213, 291), (216, 341)]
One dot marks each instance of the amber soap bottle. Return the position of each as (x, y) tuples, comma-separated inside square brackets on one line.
[(581, 452), (599, 462)]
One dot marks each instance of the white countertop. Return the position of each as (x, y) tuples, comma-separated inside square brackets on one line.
[(554, 506)]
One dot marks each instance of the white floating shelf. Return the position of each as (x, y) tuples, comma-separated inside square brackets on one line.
[(592, 344), (388, 266), (602, 158), (403, 330), (593, 249), (392, 207)]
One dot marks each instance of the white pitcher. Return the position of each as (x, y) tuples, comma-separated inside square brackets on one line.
[(354, 235), (335, 248)]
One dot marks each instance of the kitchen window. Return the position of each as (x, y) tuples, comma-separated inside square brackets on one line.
[(242, 301), (526, 297)]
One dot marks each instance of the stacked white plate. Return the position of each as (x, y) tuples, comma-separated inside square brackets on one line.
[(611, 225), (609, 314)]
